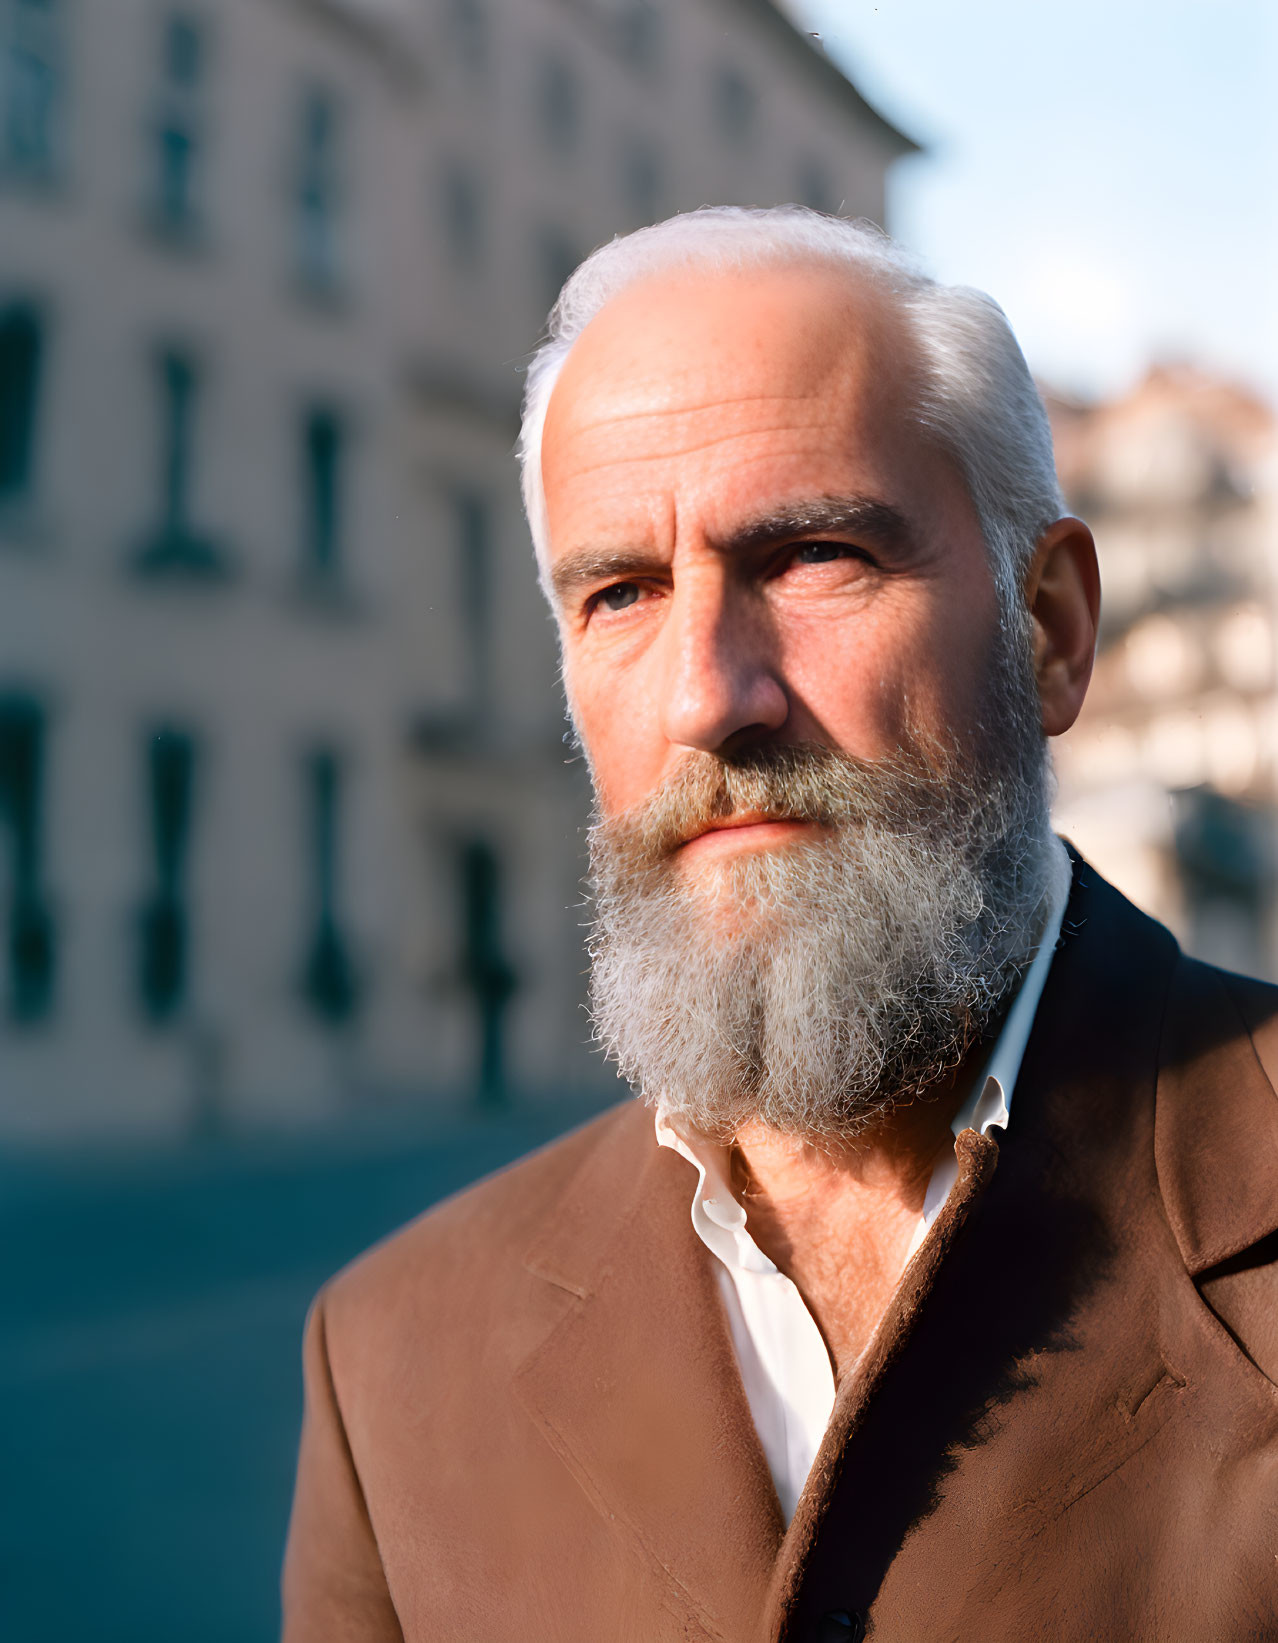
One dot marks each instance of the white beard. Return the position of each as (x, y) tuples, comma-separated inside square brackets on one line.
[(816, 986)]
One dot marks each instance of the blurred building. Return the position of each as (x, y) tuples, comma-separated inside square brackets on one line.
[(286, 819), (1169, 782)]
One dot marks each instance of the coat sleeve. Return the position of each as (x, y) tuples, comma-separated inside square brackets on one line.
[(334, 1587)]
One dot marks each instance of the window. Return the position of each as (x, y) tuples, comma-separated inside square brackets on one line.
[(638, 28), (466, 26), (29, 932), (733, 101), (641, 181), (164, 919), (328, 977), (473, 516), (174, 543), (317, 199), (31, 86), (20, 350), (464, 217), (183, 53), (486, 973), (177, 130), (1221, 850), (559, 256), (175, 179), (560, 105), (323, 457), (815, 187), (177, 415)]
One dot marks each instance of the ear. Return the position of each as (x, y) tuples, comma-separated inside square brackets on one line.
[(1062, 590)]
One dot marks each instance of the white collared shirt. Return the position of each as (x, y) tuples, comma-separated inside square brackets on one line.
[(786, 1369)]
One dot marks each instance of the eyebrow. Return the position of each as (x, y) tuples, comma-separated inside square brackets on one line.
[(864, 517)]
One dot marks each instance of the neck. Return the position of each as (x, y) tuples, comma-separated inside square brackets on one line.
[(892, 1157), (838, 1219)]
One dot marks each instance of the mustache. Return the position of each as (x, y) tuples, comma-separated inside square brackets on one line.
[(797, 781)]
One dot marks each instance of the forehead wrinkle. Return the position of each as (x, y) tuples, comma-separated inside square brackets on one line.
[(608, 419), (624, 458)]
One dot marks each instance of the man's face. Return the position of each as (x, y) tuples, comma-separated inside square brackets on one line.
[(821, 844), (750, 541)]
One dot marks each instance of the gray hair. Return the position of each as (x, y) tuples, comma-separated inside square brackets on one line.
[(975, 399)]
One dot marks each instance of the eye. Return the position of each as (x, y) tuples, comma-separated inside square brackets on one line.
[(823, 553), (620, 596)]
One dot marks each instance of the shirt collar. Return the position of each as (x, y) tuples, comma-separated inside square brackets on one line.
[(718, 1215), (990, 1104)]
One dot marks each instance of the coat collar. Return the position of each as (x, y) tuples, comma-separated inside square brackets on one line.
[(1216, 1134), (1216, 1111), (637, 1387)]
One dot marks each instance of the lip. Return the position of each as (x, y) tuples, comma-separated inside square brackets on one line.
[(746, 829)]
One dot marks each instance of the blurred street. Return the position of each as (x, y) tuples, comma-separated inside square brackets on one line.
[(151, 1311)]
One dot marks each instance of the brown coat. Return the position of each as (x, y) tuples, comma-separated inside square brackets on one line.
[(524, 1419)]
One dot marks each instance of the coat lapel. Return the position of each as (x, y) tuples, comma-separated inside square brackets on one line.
[(637, 1388), (1217, 1127)]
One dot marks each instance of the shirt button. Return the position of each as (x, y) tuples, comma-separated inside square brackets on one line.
[(839, 1626)]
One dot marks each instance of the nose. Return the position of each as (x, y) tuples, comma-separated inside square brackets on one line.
[(716, 657)]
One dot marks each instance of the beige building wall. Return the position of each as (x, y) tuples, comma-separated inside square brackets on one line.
[(380, 199)]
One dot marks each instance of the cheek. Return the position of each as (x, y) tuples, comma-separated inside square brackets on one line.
[(858, 683), (903, 669), (617, 731), (949, 693)]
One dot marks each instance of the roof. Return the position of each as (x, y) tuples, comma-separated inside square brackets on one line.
[(771, 17)]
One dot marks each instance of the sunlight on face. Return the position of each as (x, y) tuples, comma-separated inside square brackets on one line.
[(750, 540)]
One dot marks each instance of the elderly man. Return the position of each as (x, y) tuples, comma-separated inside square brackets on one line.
[(929, 1290)]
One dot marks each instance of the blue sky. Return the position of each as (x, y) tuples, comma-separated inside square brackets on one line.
[(1108, 171)]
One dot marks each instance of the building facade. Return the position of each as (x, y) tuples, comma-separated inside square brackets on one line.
[(288, 824), (1169, 781)]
